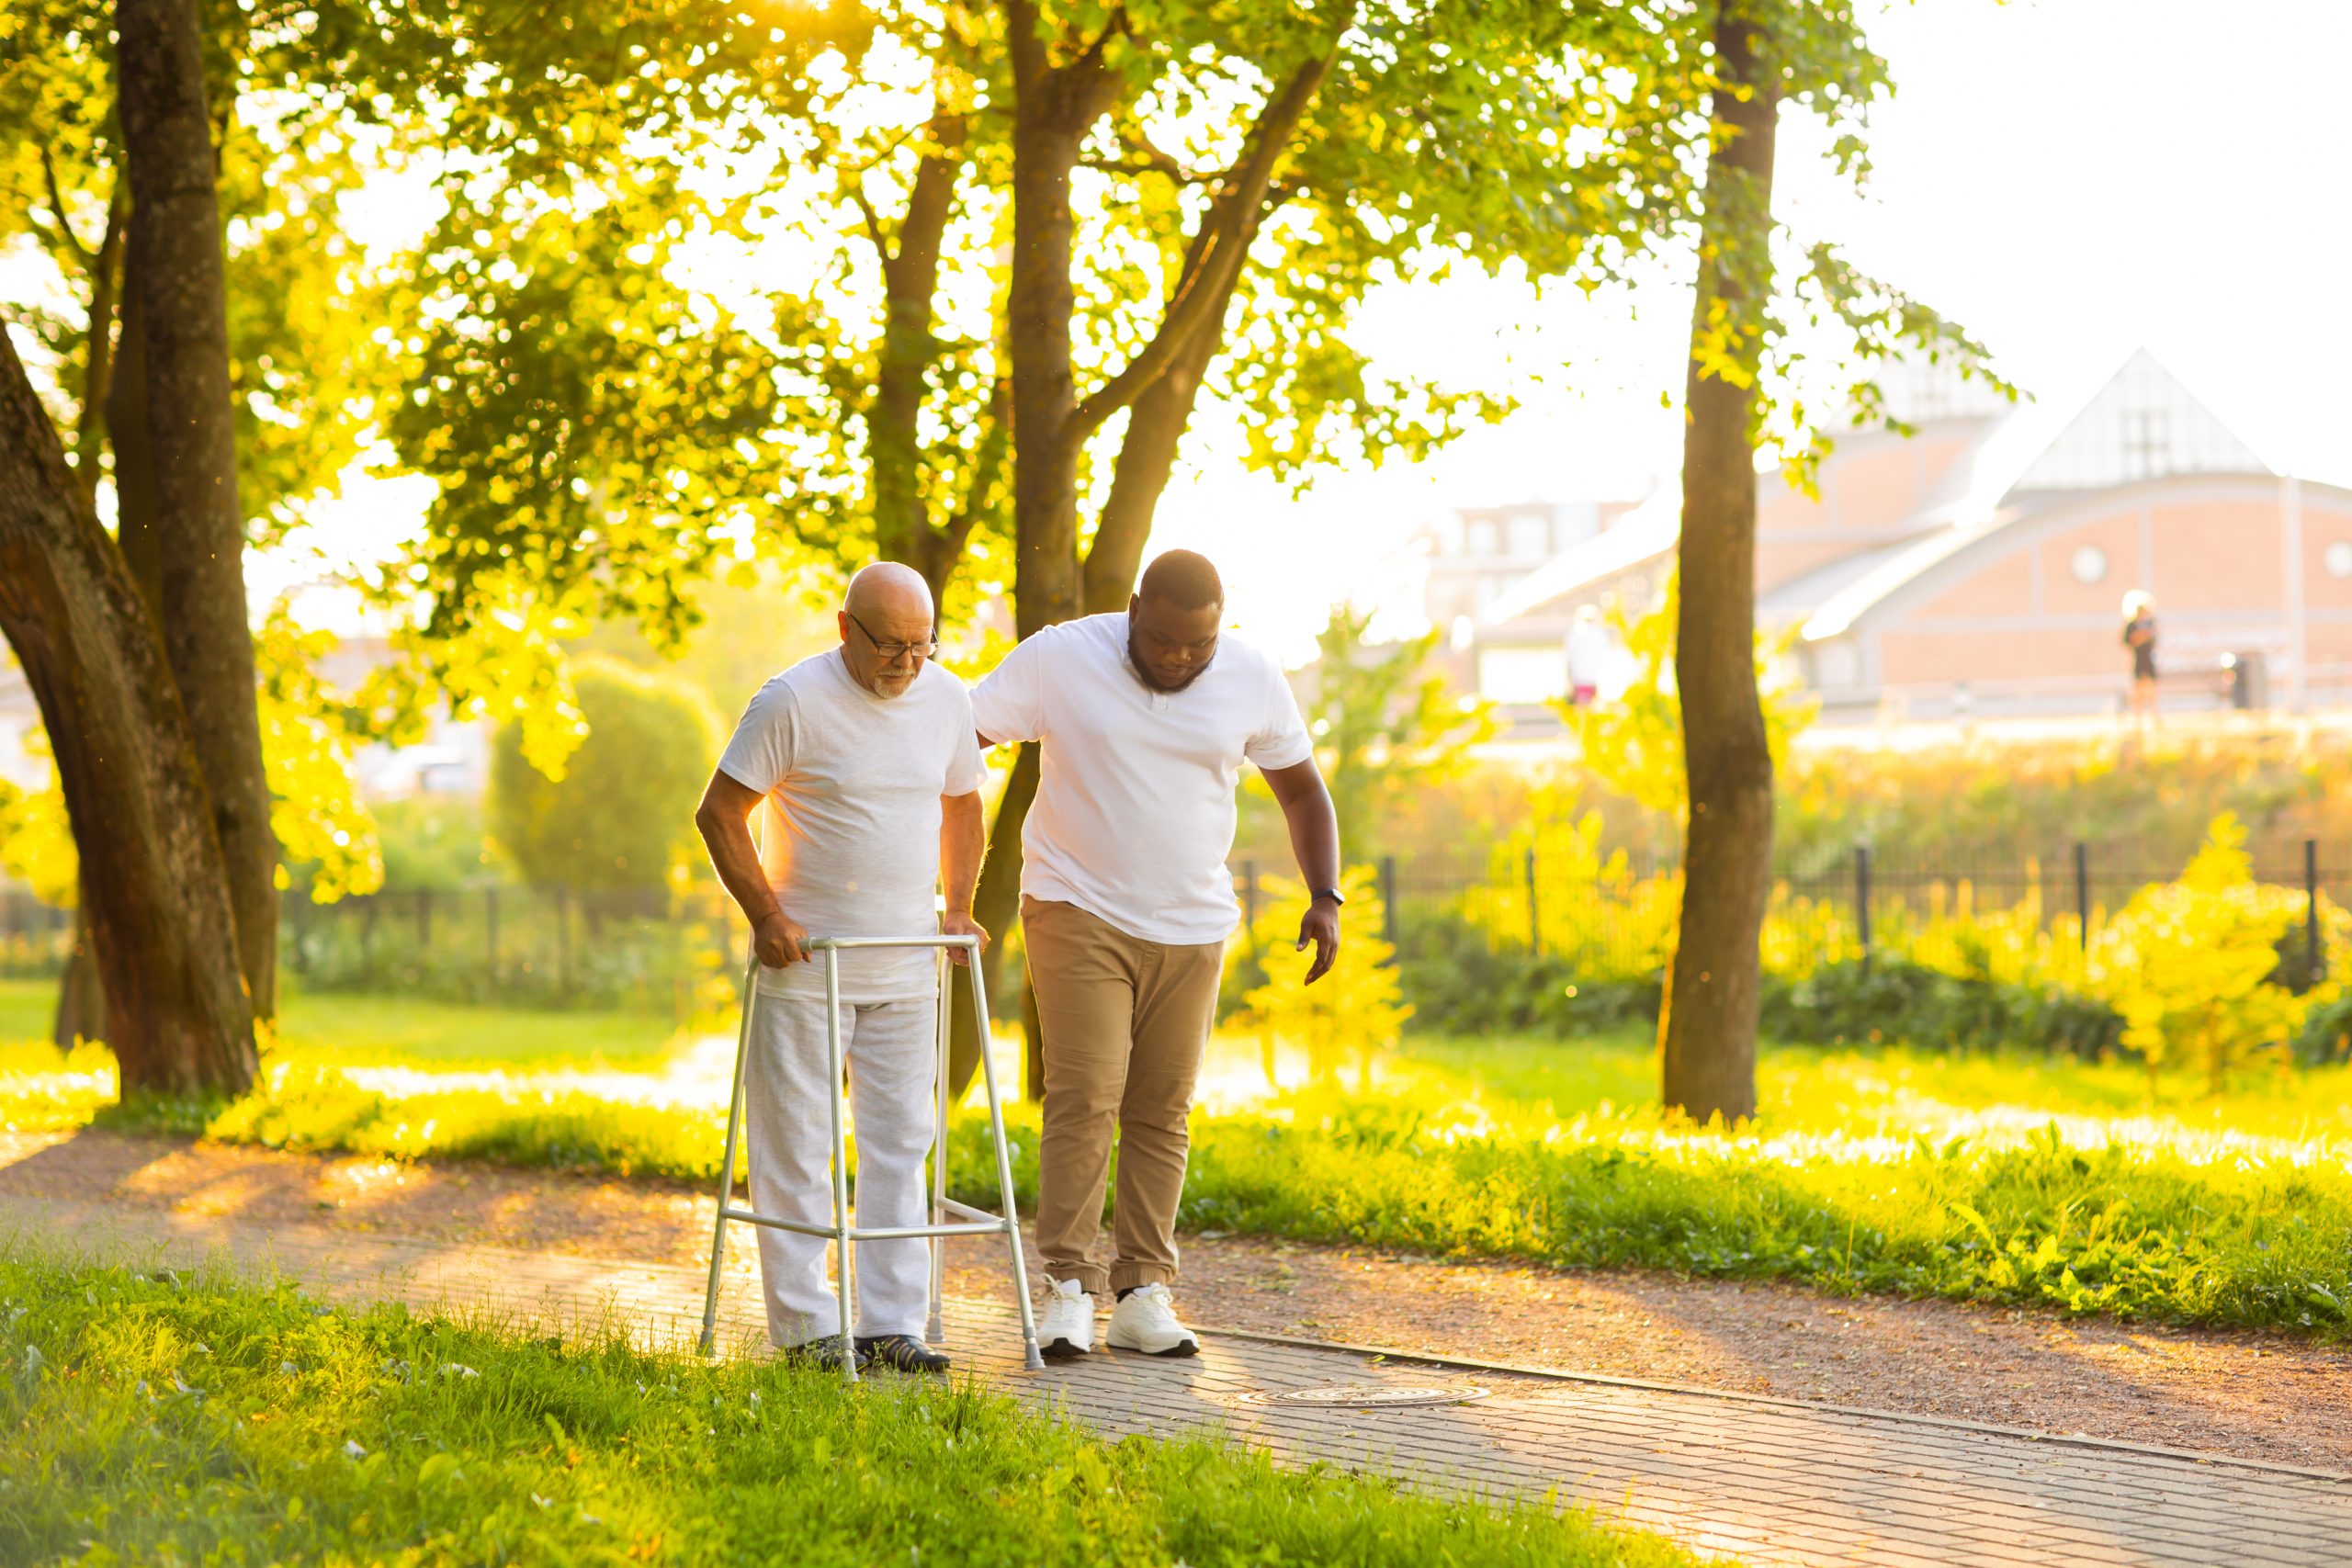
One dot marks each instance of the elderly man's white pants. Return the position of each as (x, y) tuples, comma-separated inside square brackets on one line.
[(890, 1047)]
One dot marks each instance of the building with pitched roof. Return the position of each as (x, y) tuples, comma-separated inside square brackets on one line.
[(1978, 566)]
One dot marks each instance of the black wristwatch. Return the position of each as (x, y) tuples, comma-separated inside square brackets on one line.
[(1331, 893)]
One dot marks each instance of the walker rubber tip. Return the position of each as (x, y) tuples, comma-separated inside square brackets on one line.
[(1036, 1362)]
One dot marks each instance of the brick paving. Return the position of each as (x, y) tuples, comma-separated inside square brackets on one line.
[(1756, 1479)]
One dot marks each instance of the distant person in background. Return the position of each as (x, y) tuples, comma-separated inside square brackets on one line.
[(2140, 637), (1588, 655)]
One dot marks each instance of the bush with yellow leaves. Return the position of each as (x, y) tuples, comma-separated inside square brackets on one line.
[(1358, 1006), (2188, 964)]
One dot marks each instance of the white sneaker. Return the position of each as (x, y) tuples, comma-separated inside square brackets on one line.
[(1146, 1321), (1069, 1328)]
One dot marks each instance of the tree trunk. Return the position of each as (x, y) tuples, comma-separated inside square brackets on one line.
[(996, 904), (97, 360), (81, 997), (154, 888), (135, 464), (1156, 427), (1054, 108), (1708, 1030), (904, 530), (1038, 312), (177, 261)]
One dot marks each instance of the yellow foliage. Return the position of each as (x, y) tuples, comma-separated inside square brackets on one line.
[(1633, 745), (1357, 1005), (308, 736), (1591, 911), (35, 841), (2186, 962)]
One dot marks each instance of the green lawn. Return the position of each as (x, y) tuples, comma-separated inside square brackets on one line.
[(204, 1419), (27, 1009), (384, 1031), (2015, 1177)]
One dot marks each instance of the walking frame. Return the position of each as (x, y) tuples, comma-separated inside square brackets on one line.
[(969, 1221)]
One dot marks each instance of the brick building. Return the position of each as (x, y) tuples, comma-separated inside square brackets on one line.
[(1979, 565)]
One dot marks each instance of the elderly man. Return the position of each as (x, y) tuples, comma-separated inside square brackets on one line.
[(861, 764), (1146, 719)]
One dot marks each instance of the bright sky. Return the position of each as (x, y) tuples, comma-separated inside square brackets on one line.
[(2070, 179)]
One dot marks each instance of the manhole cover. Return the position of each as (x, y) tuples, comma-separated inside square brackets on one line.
[(1372, 1395)]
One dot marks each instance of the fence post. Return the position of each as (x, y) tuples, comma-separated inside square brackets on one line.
[(2310, 913), (424, 922), (1534, 910), (2083, 892), (1388, 904), (1862, 901)]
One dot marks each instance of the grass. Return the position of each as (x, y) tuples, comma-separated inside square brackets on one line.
[(391, 1031), (2016, 1178), (163, 1419)]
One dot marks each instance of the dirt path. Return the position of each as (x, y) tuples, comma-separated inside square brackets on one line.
[(2257, 1396)]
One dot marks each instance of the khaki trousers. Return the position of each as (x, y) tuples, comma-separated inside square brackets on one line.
[(1124, 1021)]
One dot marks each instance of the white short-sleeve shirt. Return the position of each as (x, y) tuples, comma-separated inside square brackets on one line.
[(1135, 814), (849, 833)]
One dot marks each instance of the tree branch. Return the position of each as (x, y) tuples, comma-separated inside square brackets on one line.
[(987, 467), (873, 220), (65, 225), (1217, 251), (1151, 160)]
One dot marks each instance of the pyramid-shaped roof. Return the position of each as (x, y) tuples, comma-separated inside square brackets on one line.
[(2143, 424)]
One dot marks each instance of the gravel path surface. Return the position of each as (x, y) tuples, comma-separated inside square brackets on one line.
[(2252, 1395)]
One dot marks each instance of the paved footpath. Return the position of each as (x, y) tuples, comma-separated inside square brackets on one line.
[(1756, 1479)]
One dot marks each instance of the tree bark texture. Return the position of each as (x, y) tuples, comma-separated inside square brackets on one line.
[(904, 529), (996, 904), (135, 464), (154, 888), (1146, 461), (98, 361), (1708, 1030), (1054, 108), (80, 994), (177, 262)]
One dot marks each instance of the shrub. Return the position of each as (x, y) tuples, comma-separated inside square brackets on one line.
[(623, 809), (2326, 1039), (1357, 1005), (1851, 1003), (1461, 983), (2187, 963)]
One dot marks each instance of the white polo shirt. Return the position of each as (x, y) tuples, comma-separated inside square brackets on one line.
[(1135, 815), (849, 833)]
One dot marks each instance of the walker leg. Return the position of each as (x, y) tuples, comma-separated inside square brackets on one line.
[(840, 1160), (1031, 1358), (726, 1161), (936, 1331)]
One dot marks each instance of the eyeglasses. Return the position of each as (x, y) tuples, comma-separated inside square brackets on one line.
[(891, 652)]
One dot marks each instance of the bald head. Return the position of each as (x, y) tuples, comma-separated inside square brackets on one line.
[(885, 616), (888, 588)]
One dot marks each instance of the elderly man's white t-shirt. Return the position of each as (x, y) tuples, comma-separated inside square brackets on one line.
[(849, 834), (1134, 815)]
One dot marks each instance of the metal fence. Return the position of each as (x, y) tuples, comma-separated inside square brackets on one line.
[(1613, 916), (1618, 917), (647, 948)]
